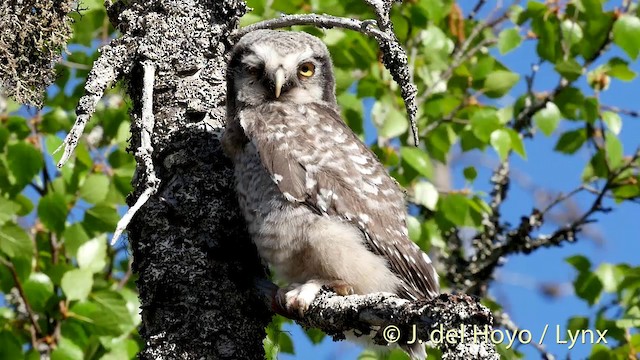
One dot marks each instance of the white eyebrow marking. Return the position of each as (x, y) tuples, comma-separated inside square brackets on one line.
[(273, 59)]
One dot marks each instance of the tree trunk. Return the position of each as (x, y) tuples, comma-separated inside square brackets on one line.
[(195, 262)]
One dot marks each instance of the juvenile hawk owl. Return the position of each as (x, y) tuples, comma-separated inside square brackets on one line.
[(319, 206)]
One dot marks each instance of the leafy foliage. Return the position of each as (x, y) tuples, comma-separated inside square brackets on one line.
[(68, 292)]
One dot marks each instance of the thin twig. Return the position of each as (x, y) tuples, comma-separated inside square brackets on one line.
[(562, 198), (145, 151), (632, 113), (502, 318), (476, 9), (126, 276), (74, 65), (23, 295)]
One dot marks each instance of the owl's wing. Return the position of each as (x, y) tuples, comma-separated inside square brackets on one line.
[(316, 160)]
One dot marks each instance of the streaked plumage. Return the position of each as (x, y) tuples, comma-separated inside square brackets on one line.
[(318, 203)]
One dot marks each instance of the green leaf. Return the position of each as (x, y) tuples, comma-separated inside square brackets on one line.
[(414, 227), (389, 120), (484, 122), (517, 144), (10, 347), (52, 211), (285, 344), (418, 160), (508, 40), (470, 173), (15, 242), (501, 142), (54, 121), (613, 121), (588, 287), (547, 27), (571, 141), (38, 289), (425, 194), (579, 262), (571, 32), (8, 210), (499, 83), (610, 275), (52, 142), (24, 162), (67, 350), (95, 188), (315, 335), (112, 317), (548, 118), (570, 69), (614, 149), (101, 218), (73, 237), (455, 208), (577, 323), (25, 204), (76, 284), (92, 254), (626, 34), (619, 69)]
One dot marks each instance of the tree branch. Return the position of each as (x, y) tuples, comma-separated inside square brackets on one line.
[(387, 319), (114, 60), (145, 151)]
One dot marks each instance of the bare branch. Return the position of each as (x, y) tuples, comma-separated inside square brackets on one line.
[(110, 65), (632, 113), (145, 151), (476, 9), (504, 320)]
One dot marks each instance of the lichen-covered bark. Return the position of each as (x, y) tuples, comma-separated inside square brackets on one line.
[(195, 263), (32, 35)]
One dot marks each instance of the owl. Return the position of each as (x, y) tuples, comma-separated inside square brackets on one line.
[(320, 207)]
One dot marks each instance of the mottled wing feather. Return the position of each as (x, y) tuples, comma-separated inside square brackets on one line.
[(315, 159)]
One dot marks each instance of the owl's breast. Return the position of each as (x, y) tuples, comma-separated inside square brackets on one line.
[(276, 225)]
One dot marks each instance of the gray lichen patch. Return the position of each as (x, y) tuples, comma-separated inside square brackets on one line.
[(33, 33)]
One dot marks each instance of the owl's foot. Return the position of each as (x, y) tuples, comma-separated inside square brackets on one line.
[(298, 297)]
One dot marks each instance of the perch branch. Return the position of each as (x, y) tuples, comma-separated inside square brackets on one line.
[(114, 60), (145, 151), (382, 317), (394, 56)]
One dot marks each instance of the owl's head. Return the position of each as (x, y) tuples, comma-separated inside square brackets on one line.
[(287, 66)]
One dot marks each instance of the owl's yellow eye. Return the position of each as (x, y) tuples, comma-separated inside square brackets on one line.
[(306, 70)]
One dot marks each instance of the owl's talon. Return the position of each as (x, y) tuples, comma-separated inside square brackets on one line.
[(296, 298), (340, 287)]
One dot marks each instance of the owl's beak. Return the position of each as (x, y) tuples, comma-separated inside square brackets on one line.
[(279, 81)]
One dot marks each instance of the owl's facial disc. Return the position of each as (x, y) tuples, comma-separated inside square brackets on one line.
[(280, 75)]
